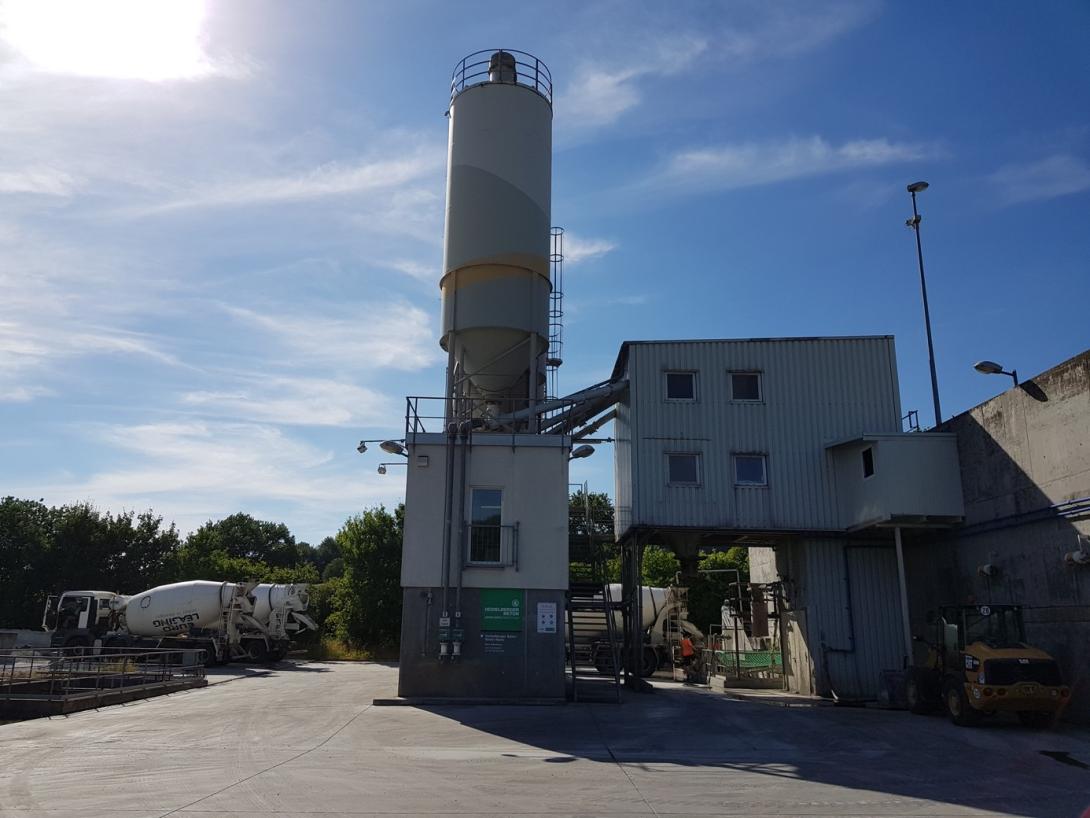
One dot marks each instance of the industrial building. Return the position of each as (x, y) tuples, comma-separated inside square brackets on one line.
[(791, 447)]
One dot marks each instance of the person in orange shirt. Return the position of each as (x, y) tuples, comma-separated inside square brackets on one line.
[(687, 650)]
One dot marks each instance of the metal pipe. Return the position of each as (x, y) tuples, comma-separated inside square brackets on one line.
[(904, 596)]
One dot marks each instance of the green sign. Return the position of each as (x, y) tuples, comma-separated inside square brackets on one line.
[(501, 609)]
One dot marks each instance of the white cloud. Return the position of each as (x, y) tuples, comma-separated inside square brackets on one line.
[(1058, 175), (194, 471), (41, 180), (331, 179), (601, 92), (304, 401), (725, 167), (578, 249), (608, 86), (356, 337), (415, 269)]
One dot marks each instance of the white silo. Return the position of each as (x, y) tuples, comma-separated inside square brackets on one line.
[(495, 282)]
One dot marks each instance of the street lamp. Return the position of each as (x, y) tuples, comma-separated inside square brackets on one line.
[(382, 466), (914, 223), (992, 368)]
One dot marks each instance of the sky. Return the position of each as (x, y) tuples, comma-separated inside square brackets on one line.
[(221, 222)]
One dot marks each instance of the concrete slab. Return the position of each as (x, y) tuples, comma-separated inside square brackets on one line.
[(305, 740)]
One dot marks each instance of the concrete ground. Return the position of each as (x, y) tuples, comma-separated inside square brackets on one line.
[(305, 740)]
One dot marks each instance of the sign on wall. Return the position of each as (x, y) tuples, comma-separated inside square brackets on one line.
[(501, 609), (546, 617)]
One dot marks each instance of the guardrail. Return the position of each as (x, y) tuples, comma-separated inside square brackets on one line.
[(521, 68), (60, 674)]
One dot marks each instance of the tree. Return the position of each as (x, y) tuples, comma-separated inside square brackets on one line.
[(368, 598), (326, 552), (242, 536), (707, 592), (590, 536), (660, 566)]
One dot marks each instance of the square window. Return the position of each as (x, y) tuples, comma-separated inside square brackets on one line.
[(683, 469), (749, 470), (868, 462), (681, 386), (745, 386), (486, 509)]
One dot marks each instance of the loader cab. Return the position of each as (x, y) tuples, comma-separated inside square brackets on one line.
[(997, 626)]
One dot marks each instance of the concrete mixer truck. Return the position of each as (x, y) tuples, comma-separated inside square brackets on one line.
[(228, 620), (664, 622)]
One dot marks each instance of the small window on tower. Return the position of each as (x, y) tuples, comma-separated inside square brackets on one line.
[(868, 462), (749, 470), (745, 386), (681, 386), (683, 469)]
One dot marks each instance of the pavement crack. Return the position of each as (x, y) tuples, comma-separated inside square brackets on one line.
[(632, 781), (271, 767)]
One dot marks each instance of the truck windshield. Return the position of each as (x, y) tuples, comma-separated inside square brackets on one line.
[(996, 627)]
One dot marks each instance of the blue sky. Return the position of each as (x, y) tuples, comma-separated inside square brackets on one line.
[(221, 223)]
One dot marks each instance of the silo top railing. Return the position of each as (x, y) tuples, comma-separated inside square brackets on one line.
[(530, 72)]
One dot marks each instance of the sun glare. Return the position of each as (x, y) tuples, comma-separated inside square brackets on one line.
[(150, 40)]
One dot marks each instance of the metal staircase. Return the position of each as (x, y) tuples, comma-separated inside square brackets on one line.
[(594, 649)]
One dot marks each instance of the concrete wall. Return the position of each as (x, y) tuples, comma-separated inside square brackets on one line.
[(814, 391), (1020, 453), (535, 495), (914, 475)]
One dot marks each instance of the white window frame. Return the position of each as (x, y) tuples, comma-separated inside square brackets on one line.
[(760, 385), (699, 469), (499, 562), (764, 464), (863, 462), (666, 385)]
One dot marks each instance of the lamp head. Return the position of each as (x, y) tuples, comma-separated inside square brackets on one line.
[(382, 470), (581, 451), (362, 447), (988, 368), (918, 187), (391, 447)]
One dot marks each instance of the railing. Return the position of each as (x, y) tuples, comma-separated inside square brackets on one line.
[(491, 546), (426, 414), (53, 674), (521, 68)]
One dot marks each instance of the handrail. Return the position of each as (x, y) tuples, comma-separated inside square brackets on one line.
[(474, 69), (53, 674)]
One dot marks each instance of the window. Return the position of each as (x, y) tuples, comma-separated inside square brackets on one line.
[(683, 469), (745, 386), (681, 386), (484, 531), (749, 470), (868, 462)]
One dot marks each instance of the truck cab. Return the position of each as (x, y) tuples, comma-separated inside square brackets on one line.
[(79, 618)]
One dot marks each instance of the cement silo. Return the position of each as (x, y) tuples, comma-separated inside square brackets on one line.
[(495, 281), (485, 554)]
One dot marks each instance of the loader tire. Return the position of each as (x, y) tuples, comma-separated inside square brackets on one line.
[(957, 705), (917, 696)]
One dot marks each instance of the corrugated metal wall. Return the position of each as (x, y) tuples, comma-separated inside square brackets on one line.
[(837, 572), (814, 391)]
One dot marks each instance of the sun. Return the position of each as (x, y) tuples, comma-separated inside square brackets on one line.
[(151, 40)]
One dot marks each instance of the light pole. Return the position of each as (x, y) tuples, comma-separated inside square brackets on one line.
[(914, 223)]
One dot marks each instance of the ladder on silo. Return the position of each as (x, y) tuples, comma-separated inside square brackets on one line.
[(555, 355), (594, 650)]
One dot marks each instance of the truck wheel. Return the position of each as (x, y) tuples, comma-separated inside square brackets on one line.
[(649, 662), (915, 694), (77, 645), (1037, 719), (957, 705)]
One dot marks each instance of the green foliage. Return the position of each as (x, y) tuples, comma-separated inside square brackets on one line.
[(240, 536), (334, 569), (660, 566), (707, 592), (368, 601), (590, 536)]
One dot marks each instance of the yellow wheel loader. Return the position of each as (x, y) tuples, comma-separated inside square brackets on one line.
[(978, 664)]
